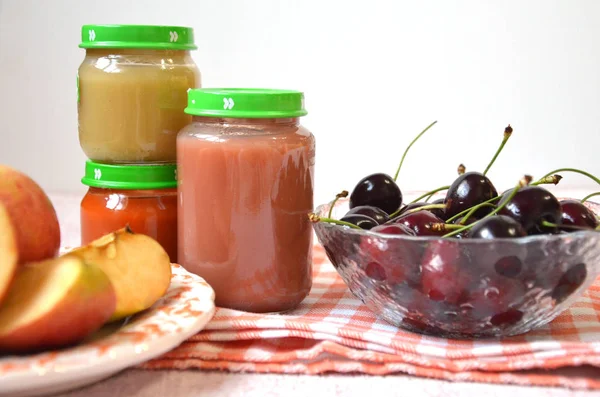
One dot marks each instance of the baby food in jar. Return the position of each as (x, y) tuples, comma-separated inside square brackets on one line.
[(132, 90), (143, 197), (245, 185)]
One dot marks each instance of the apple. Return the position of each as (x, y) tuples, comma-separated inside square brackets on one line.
[(8, 252), (53, 304), (137, 265), (32, 214)]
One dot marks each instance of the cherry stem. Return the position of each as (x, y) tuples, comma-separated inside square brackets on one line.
[(315, 219), (425, 208), (494, 212), (342, 194), (554, 225), (430, 193), (442, 227), (473, 209), (592, 177), (409, 146), (486, 203), (586, 198), (548, 180), (507, 133)]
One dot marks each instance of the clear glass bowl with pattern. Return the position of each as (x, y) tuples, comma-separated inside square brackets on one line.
[(462, 288)]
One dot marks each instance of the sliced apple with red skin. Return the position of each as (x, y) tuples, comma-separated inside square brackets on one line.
[(53, 304), (137, 265), (9, 252)]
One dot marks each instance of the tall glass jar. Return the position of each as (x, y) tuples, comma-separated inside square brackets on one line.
[(132, 90), (245, 186)]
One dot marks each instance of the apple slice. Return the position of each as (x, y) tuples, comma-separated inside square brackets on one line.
[(9, 252), (137, 265), (54, 303)]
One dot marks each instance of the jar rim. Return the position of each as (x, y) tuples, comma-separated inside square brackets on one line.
[(245, 103), (138, 36), (130, 176)]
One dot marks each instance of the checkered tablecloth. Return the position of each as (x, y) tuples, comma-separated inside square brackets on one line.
[(332, 331)]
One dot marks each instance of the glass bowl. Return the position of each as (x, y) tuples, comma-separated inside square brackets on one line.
[(462, 288)]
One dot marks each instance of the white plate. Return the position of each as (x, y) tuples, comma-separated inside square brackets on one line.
[(185, 309)]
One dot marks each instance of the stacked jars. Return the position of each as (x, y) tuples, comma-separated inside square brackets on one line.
[(131, 94)]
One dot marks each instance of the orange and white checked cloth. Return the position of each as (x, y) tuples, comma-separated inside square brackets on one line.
[(332, 331)]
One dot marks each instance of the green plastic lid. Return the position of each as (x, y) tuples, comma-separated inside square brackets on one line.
[(137, 36), (245, 103), (132, 177)]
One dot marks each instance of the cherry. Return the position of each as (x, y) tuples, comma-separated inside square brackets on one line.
[(372, 212), (394, 228), (411, 206), (494, 295), (439, 212), (509, 266), (569, 282), (574, 213), (499, 226), (362, 221), (469, 189), (444, 272), (530, 206), (392, 262), (420, 222), (377, 190), (509, 317), (471, 219)]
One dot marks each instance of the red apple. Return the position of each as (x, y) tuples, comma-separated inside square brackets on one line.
[(8, 252), (33, 216)]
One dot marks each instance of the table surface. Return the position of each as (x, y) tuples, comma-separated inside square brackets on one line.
[(138, 383)]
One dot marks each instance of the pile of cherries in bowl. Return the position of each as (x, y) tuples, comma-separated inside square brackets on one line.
[(474, 263)]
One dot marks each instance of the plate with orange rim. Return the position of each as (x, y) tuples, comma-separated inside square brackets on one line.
[(182, 312)]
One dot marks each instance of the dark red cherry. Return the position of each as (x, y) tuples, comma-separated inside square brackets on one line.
[(576, 214), (530, 206), (439, 212), (394, 228), (499, 226), (472, 219), (444, 272), (394, 262), (362, 221), (377, 190), (509, 317), (411, 206), (569, 282), (491, 297), (457, 221), (372, 212), (469, 189), (420, 222)]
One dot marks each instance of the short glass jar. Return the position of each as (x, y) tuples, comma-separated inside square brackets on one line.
[(132, 91), (246, 179), (143, 197)]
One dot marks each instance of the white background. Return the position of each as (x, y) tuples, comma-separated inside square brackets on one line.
[(374, 72)]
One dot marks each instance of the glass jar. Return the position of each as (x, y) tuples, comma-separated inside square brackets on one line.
[(246, 177), (143, 197), (132, 90)]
